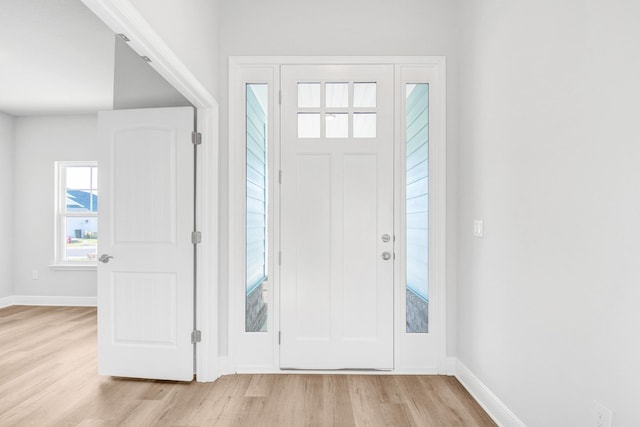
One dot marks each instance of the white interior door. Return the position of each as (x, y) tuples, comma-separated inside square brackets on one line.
[(337, 217), (145, 291)]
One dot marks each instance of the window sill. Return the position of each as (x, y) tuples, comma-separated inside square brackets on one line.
[(74, 267)]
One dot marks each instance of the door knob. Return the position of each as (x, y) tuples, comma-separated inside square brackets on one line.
[(104, 258), (386, 256)]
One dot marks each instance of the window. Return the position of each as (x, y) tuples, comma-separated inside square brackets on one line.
[(417, 207), (76, 212), (256, 207), (347, 109)]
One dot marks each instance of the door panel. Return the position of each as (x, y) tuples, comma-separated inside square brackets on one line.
[(336, 203), (359, 246), (145, 292)]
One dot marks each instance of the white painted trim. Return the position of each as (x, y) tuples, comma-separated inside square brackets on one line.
[(207, 254), (262, 370), (73, 267), (6, 301), (438, 170), (496, 409), (433, 344), (123, 18), (263, 345), (284, 60), (438, 166), (69, 301)]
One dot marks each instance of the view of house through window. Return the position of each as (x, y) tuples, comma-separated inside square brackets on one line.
[(417, 204), (256, 207), (77, 211)]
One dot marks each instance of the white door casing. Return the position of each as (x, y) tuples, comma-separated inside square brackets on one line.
[(336, 204), (145, 292)]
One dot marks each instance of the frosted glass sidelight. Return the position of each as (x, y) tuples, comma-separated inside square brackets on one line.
[(417, 207), (364, 95), (337, 95), (256, 207), (337, 125), (308, 125), (308, 95), (364, 125)]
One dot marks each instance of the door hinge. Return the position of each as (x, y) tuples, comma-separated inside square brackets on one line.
[(280, 176), (196, 336), (279, 337), (279, 97), (196, 138), (196, 237)]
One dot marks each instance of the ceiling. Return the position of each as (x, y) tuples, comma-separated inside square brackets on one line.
[(56, 57)]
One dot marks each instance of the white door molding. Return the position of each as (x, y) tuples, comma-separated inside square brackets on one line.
[(123, 18), (434, 67)]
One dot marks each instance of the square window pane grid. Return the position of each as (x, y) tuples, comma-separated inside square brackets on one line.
[(77, 230), (337, 110), (81, 189)]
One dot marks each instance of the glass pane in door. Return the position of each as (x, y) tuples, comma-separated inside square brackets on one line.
[(256, 207), (417, 207)]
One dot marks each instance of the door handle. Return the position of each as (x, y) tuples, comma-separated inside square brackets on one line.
[(104, 258), (386, 256)]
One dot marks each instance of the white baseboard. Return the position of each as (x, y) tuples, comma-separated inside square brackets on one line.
[(54, 300), (496, 409), (6, 301)]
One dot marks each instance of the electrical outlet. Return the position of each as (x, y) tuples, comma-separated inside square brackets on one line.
[(34, 274), (603, 416)]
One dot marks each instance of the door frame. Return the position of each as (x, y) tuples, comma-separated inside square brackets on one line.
[(123, 18), (241, 70)]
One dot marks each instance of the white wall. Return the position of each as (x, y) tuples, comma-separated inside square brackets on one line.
[(6, 212), (336, 27), (549, 155), (38, 143), (190, 29), (137, 85)]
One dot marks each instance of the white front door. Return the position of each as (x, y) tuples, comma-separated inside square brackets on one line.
[(145, 291), (337, 217)]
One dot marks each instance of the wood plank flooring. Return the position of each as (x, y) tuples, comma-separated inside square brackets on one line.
[(48, 378)]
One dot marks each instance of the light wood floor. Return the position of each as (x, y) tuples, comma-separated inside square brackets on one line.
[(48, 378)]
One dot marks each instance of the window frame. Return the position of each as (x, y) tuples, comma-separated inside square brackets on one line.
[(61, 216)]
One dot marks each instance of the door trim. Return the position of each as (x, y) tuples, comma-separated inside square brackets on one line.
[(123, 18), (436, 67)]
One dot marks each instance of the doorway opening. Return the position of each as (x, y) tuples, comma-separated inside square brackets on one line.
[(351, 211)]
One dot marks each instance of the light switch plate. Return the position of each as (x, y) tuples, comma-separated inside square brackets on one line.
[(478, 227)]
